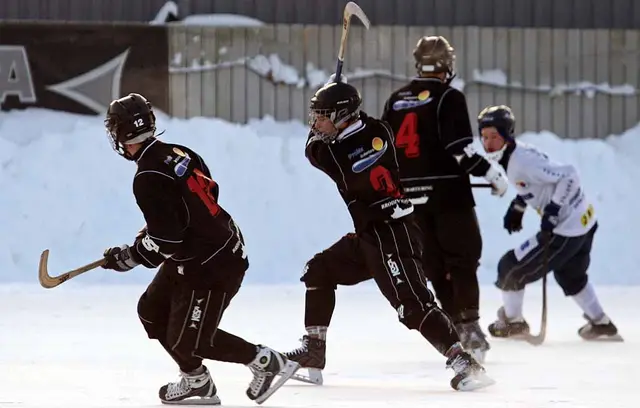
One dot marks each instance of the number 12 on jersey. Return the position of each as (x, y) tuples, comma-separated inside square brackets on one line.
[(407, 137)]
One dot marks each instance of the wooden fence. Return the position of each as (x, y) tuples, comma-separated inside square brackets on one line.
[(575, 83)]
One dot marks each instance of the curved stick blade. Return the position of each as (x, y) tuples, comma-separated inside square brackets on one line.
[(352, 9), (47, 281)]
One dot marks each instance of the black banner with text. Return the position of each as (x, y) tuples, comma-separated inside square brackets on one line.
[(80, 68)]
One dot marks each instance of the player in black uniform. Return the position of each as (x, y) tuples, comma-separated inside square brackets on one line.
[(200, 251), (357, 152), (434, 139)]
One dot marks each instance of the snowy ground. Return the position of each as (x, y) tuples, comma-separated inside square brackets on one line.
[(82, 346)]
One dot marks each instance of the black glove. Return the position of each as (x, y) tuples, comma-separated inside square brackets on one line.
[(549, 219), (513, 217), (119, 259)]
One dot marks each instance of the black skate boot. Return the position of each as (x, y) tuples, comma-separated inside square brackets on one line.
[(265, 367), (191, 389), (473, 340), (311, 356), (505, 328), (470, 375), (601, 330)]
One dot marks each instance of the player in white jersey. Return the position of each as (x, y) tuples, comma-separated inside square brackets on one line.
[(568, 226)]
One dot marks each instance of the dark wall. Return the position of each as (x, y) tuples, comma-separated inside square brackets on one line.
[(623, 14)]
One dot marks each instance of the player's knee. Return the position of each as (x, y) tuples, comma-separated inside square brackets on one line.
[(315, 275), (508, 278), (411, 313), (152, 325), (571, 283)]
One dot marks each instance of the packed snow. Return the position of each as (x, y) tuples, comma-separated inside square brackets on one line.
[(65, 189)]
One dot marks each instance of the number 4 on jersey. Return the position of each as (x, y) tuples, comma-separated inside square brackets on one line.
[(407, 137)]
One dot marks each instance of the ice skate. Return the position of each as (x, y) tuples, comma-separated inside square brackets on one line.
[(508, 328), (473, 340), (601, 330), (469, 374), (190, 389), (311, 356), (265, 367)]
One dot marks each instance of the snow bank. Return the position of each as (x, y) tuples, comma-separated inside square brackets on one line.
[(63, 188)]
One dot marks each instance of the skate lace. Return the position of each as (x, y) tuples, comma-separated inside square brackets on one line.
[(459, 364), (259, 378), (178, 388), (302, 349)]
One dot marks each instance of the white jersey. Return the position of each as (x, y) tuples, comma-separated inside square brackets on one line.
[(539, 181)]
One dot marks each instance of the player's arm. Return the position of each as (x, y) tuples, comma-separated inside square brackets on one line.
[(566, 185), (456, 134), (215, 189), (564, 178), (386, 110), (457, 138), (157, 197), (317, 152)]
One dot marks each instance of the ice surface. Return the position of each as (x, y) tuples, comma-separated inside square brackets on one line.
[(83, 346)]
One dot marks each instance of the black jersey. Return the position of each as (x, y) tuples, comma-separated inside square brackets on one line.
[(362, 162), (179, 200), (430, 121)]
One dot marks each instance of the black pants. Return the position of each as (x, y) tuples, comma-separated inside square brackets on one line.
[(184, 318), (390, 253), (452, 250), (569, 259)]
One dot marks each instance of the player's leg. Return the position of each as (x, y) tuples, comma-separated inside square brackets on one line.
[(521, 266), (154, 310), (339, 264), (574, 281), (459, 237), (393, 253), (193, 335), (433, 259)]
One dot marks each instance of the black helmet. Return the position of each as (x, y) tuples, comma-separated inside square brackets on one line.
[(129, 120), (337, 101), (501, 117), (434, 55)]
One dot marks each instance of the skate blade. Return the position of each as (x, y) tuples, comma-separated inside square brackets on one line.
[(289, 370), (475, 382), (314, 377), (195, 401), (606, 339)]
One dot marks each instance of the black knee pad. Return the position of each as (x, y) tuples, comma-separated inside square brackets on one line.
[(571, 284), (506, 279), (153, 324)]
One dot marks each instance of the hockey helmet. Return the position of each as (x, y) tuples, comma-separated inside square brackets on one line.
[(129, 120), (434, 55), (336, 102), (502, 119)]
